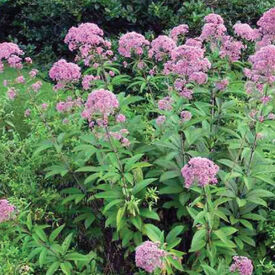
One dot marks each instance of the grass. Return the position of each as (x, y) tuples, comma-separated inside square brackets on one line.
[(17, 107)]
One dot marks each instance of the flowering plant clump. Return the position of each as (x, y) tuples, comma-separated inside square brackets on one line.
[(201, 170), (243, 265), (167, 139), (6, 210), (132, 43), (64, 72), (149, 256)]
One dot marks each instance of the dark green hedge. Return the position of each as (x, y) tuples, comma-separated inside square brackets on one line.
[(40, 25)]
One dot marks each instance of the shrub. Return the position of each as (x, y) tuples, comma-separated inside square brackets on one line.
[(145, 158)]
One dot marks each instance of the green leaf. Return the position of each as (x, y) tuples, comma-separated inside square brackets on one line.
[(220, 214), (75, 256), (111, 204), (146, 213), (66, 268), (152, 232), (43, 257), (223, 237), (51, 270), (67, 242), (175, 263), (172, 235), (119, 216), (169, 175), (172, 189), (55, 233), (142, 184), (208, 269), (247, 224), (41, 234), (247, 240), (198, 241)]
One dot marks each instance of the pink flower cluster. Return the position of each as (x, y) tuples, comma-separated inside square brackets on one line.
[(161, 47), (165, 104), (246, 32), (36, 86), (242, 264), (222, 84), (10, 52), (100, 102), (177, 31), (188, 62), (120, 136), (6, 210), (68, 105), (213, 28), (87, 81), (231, 48), (184, 92), (149, 256), (160, 120), (132, 43), (200, 170), (263, 65), (185, 116), (64, 72), (267, 22), (11, 93), (88, 39)]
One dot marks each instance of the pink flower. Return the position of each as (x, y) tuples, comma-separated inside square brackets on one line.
[(194, 42), (11, 93), (44, 106), (199, 77), (65, 121), (187, 60), (36, 86), (201, 170), (102, 102), (263, 65), (231, 48), (132, 43), (185, 116), (111, 73), (161, 47), (120, 118), (266, 99), (243, 265), (125, 142), (8, 49), (64, 72), (5, 83), (221, 85), (85, 36), (15, 62), (27, 113), (267, 22), (246, 32), (87, 81), (149, 256), (160, 120), (6, 210), (165, 103), (1, 67), (187, 93), (28, 60), (213, 29), (20, 79), (178, 31), (33, 73), (271, 116), (125, 64)]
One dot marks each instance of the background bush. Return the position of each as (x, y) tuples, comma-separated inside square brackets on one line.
[(41, 25)]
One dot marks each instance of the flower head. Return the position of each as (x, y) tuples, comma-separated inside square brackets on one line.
[(6, 210), (149, 256), (64, 72), (102, 102), (242, 264), (179, 30), (161, 47), (132, 43), (201, 170)]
